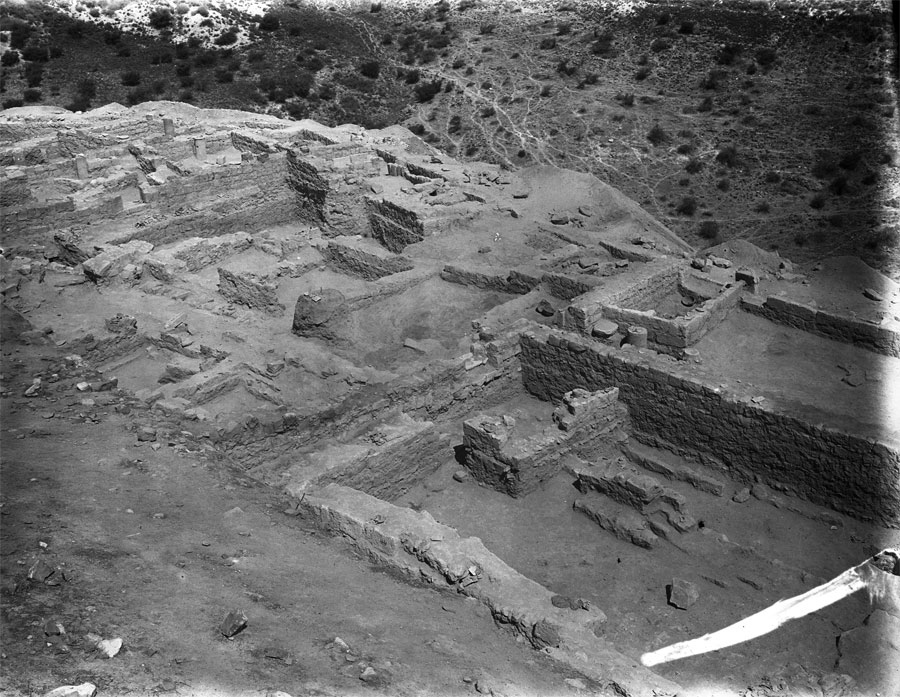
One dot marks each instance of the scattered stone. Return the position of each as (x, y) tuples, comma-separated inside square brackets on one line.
[(873, 294), (146, 434), (234, 622), (741, 496), (545, 634), (576, 683), (559, 218), (86, 689), (461, 475), (682, 594), (53, 628), (621, 263), (586, 211), (83, 386), (698, 263), (721, 262), (545, 308), (110, 647), (604, 328), (520, 193), (416, 346), (40, 571), (34, 388)]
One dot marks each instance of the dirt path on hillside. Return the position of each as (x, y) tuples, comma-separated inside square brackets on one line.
[(155, 541)]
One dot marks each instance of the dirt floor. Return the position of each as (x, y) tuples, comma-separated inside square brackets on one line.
[(154, 542)]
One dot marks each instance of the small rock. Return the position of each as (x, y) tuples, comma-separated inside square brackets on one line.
[(720, 262), (586, 211), (545, 308), (53, 628), (576, 683), (368, 674), (604, 328), (621, 263), (146, 434), (234, 622), (698, 263), (461, 475), (34, 388), (682, 594), (109, 647), (86, 689), (83, 386), (559, 218), (107, 385), (741, 496), (40, 571), (484, 250), (873, 294)]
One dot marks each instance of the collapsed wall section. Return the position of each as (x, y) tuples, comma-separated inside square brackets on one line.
[(672, 406), (392, 225)]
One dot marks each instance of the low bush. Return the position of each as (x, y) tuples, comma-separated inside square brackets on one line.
[(694, 165), (37, 53), (708, 230), (34, 74), (9, 58), (727, 156), (687, 206), (772, 177), (817, 201), (12, 103), (370, 69), (723, 185), (657, 136), (762, 207), (728, 54), (227, 38), (32, 94), (625, 99), (269, 22), (766, 56), (160, 18), (705, 105), (131, 78), (425, 91), (642, 73), (686, 27), (547, 43), (660, 44)]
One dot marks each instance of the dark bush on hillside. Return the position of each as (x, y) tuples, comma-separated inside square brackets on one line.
[(370, 69), (660, 44), (227, 38), (12, 103), (713, 79), (687, 206), (589, 79), (817, 201), (182, 69), (112, 37), (824, 167), (160, 18), (186, 80), (412, 77), (86, 88), (708, 230), (603, 46), (839, 186), (79, 104), (686, 27), (417, 129), (138, 95), (626, 100), (727, 156), (487, 112), (454, 125), (9, 58), (663, 19), (158, 87), (34, 74), (563, 28), (564, 68), (762, 207), (314, 64), (131, 78), (728, 54), (206, 59), (224, 76), (32, 94), (438, 42), (269, 22), (723, 185), (850, 161), (19, 33), (546, 91), (375, 7), (486, 29), (458, 63), (642, 73), (705, 105), (772, 177), (123, 52), (812, 110), (182, 51), (657, 136), (547, 43), (766, 56), (693, 165), (425, 92), (36, 53)]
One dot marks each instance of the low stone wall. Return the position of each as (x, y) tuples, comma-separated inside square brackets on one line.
[(675, 405), (369, 265), (515, 282), (250, 291), (31, 224), (850, 330)]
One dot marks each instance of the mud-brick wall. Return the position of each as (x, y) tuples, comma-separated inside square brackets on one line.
[(392, 225), (874, 337), (515, 282), (856, 475), (32, 225), (309, 186)]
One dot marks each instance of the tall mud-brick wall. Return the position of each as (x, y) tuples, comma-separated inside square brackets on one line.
[(690, 413), (395, 227), (311, 189)]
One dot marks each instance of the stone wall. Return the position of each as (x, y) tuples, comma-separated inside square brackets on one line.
[(515, 282), (364, 264), (782, 310), (392, 225), (250, 291), (33, 224), (672, 405)]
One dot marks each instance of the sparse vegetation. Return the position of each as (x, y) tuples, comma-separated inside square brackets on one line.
[(657, 136), (727, 156), (131, 78), (687, 206), (708, 230)]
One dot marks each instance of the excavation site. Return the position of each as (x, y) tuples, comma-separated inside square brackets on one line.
[(291, 409)]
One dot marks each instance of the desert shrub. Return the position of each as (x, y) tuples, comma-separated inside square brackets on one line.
[(138, 95), (817, 201), (186, 80), (32, 94), (370, 69), (412, 77), (766, 56), (206, 59), (12, 103), (687, 206), (227, 38), (34, 74), (79, 104), (589, 79), (850, 161), (723, 184), (487, 112), (547, 43), (438, 42), (772, 177), (824, 166), (625, 99), (375, 7), (458, 63), (486, 29), (86, 88), (269, 22), (657, 136), (727, 156), (158, 87), (9, 58), (160, 18), (417, 129), (37, 53), (19, 33), (131, 78), (686, 27), (728, 54), (762, 207), (564, 68), (693, 165), (705, 105), (546, 91), (429, 56), (713, 79), (839, 186), (812, 110), (224, 76), (182, 69), (425, 91), (182, 51), (603, 46), (123, 52), (708, 230), (642, 73), (660, 44), (663, 19)]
